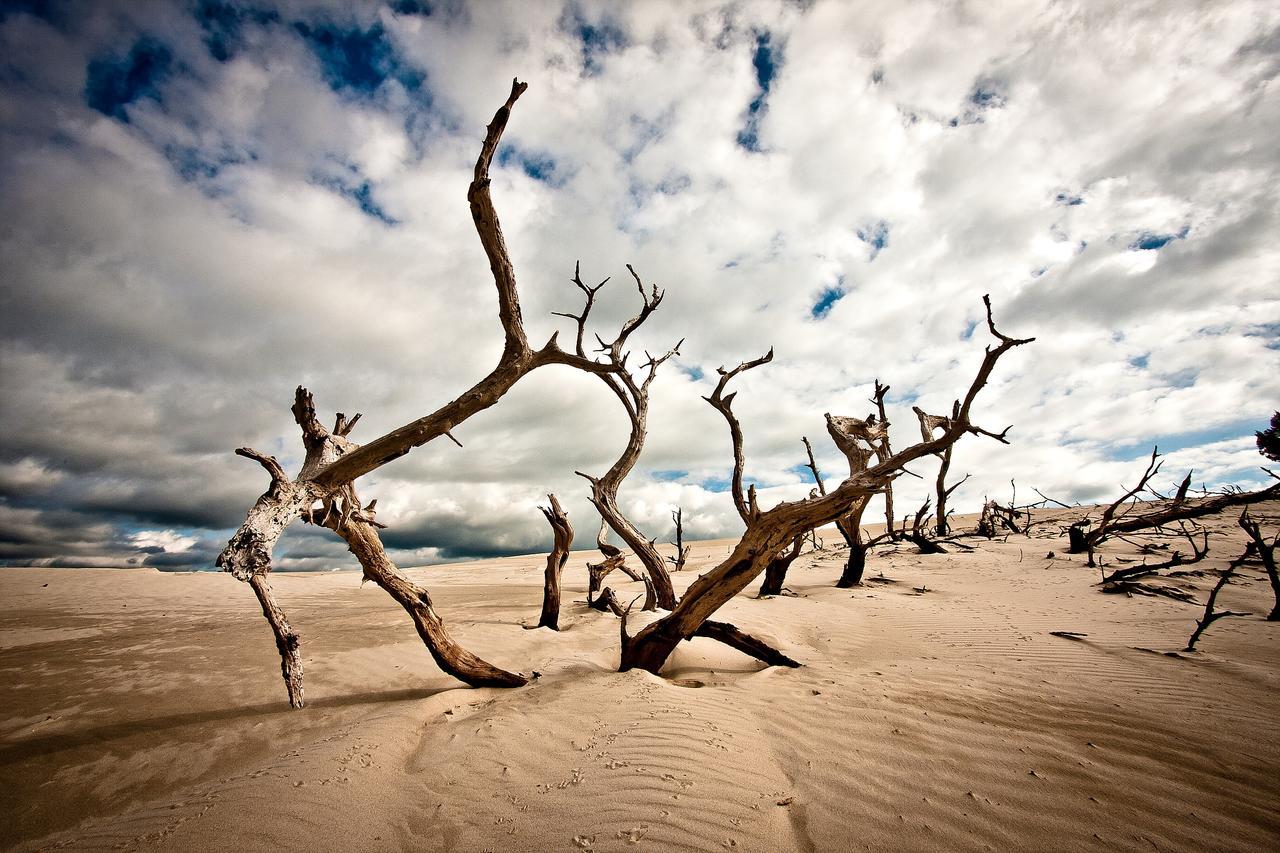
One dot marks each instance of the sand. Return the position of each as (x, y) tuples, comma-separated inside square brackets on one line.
[(935, 711)]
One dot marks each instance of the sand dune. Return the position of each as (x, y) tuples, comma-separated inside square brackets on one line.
[(145, 711)]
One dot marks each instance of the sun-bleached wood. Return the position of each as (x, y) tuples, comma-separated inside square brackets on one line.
[(1118, 517), (769, 531), (562, 535), (634, 396), (333, 462)]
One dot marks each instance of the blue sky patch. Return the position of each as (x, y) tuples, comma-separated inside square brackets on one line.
[(693, 372), (827, 298), (541, 167), (1140, 361), (1147, 240), (351, 59), (1170, 442), (669, 476), (223, 25), (412, 7), (876, 236), (196, 165), (987, 98), (1068, 199), (767, 61), (359, 192), (113, 83), (715, 484), (598, 39)]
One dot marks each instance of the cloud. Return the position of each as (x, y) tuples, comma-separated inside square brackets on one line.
[(211, 203)]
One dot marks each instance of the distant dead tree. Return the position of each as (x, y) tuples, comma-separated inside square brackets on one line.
[(850, 527), (1121, 516), (919, 532), (634, 396), (996, 516), (883, 451), (1129, 579), (1266, 552), (613, 559), (323, 492), (682, 550), (562, 535), (859, 440), (929, 425), (782, 558), (769, 532)]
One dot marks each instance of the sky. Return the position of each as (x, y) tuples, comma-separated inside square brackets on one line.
[(206, 204)]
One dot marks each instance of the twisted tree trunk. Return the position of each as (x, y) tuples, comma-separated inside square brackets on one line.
[(634, 397), (856, 563), (562, 531), (775, 574)]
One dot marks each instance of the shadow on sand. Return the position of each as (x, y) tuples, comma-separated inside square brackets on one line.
[(97, 735)]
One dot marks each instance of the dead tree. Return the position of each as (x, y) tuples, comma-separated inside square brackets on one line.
[(1131, 579), (613, 559), (858, 440), (323, 491), (682, 550), (782, 558), (1118, 518), (883, 451), (1210, 614), (775, 574), (929, 424), (1266, 552), (850, 527), (562, 532), (919, 535), (769, 531), (634, 396)]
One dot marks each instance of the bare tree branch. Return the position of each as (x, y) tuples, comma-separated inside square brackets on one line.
[(724, 405)]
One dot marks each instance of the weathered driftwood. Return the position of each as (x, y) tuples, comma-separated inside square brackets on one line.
[(1266, 552), (769, 531), (634, 396), (333, 462), (1197, 538), (919, 534), (286, 639), (562, 534), (1211, 614), (1085, 537)]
